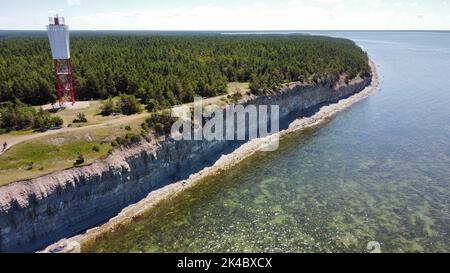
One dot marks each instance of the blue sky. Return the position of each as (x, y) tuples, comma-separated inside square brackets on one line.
[(228, 15)]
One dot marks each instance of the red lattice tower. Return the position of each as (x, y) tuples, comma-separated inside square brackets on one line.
[(58, 34)]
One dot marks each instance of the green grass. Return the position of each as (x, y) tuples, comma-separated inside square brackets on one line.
[(92, 114), (48, 154), (35, 158), (21, 133)]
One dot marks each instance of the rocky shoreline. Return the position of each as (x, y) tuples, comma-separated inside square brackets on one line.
[(38, 212)]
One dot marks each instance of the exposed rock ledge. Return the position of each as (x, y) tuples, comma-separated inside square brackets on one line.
[(38, 212)]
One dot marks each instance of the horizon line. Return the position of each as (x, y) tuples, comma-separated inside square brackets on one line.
[(248, 30)]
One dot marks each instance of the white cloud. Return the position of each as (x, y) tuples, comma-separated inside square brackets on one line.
[(73, 2), (259, 15), (244, 15), (215, 18)]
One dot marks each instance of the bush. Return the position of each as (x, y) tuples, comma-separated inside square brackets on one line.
[(128, 139), (29, 166), (44, 121), (96, 149), (79, 161), (128, 105), (128, 128), (121, 141), (81, 118), (17, 116), (144, 127), (135, 138), (161, 122), (132, 138), (108, 107), (153, 105), (235, 97), (56, 121)]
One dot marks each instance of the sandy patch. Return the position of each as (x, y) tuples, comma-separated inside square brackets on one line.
[(78, 105)]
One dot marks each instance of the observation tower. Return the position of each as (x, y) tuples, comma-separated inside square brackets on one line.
[(58, 35)]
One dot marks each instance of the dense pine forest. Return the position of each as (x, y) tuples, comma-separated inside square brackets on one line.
[(174, 69)]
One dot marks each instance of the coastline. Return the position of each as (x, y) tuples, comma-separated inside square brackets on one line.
[(226, 162)]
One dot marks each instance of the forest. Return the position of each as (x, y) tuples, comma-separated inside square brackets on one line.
[(174, 69)]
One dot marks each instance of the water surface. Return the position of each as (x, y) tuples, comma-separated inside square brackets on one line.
[(379, 171)]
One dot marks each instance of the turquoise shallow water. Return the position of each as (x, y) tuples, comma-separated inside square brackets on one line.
[(379, 171)]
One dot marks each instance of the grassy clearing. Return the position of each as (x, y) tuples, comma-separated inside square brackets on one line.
[(35, 158), (48, 154), (238, 87), (232, 89), (92, 113)]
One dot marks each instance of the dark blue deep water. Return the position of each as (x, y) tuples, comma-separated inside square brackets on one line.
[(379, 171)]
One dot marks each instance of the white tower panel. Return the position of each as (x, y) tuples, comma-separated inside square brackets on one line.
[(59, 41)]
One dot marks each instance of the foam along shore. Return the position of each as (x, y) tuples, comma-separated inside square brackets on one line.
[(127, 216)]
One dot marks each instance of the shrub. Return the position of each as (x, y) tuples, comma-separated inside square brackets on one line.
[(19, 116), (144, 127), (108, 107), (81, 118), (161, 122), (129, 105), (121, 141), (44, 121), (79, 161), (128, 128), (16, 116), (153, 105), (135, 138), (235, 97), (56, 121), (29, 166), (96, 149), (129, 138), (132, 138)]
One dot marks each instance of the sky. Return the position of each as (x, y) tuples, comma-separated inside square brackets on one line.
[(228, 14)]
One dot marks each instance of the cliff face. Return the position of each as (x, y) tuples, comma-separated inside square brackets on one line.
[(38, 212)]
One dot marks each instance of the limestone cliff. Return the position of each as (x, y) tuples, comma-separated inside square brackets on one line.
[(38, 212)]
